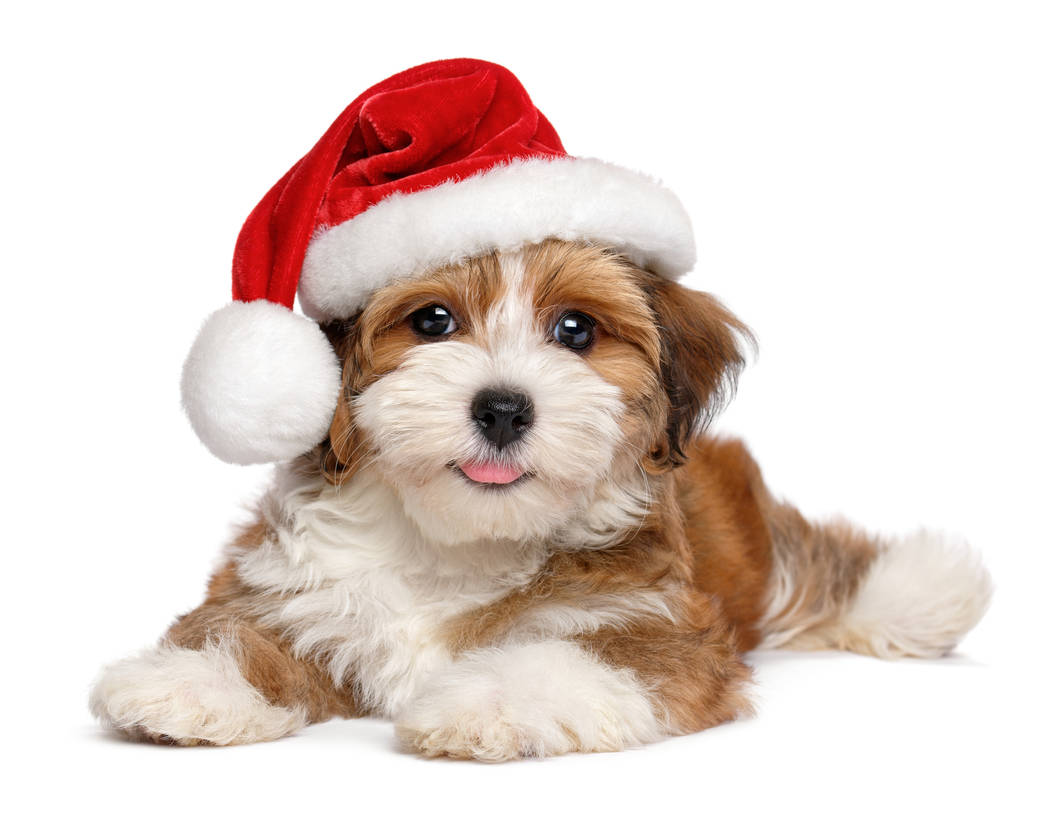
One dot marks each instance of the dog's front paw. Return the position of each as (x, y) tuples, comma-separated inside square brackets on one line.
[(184, 697), (484, 734), (528, 701)]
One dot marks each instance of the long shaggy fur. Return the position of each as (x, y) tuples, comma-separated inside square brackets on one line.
[(603, 598)]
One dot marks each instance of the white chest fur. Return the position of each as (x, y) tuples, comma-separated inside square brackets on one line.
[(351, 581)]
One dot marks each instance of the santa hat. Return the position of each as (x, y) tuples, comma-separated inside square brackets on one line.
[(435, 165)]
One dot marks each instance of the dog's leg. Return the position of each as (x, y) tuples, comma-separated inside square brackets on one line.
[(532, 700), (833, 587), (600, 692), (217, 677), (189, 696), (787, 582)]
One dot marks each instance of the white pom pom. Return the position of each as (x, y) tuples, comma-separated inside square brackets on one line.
[(260, 384)]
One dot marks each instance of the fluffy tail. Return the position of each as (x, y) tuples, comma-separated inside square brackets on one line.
[(835, 587)]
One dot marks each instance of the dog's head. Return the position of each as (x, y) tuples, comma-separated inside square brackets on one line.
[(518, 394)]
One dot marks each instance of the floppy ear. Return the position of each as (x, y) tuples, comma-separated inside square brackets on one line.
[(341, 454), (701, 355)]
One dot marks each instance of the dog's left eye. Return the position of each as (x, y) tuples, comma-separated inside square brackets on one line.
[(432, 321), (575, 330)]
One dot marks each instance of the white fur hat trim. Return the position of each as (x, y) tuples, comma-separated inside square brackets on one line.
[(505, 207)]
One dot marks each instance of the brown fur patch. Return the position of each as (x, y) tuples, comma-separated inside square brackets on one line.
[(720, 489), (265, 658), (692, 669), (817, 570), (701, 356), (570, 276)]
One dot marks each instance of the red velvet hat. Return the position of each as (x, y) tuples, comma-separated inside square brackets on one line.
[(435, 165)]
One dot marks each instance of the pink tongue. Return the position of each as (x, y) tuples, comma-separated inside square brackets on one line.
[(490, 472)]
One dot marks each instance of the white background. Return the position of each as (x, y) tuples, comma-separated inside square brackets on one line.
[(870, 187)]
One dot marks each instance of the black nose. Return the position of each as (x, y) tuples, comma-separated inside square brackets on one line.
[(502, 415)]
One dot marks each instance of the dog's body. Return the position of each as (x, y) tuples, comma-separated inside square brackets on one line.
[(514, 542)]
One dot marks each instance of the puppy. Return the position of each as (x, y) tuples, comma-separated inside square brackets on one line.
[(515, 539)]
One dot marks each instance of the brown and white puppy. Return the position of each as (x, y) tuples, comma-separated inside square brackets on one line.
[(515, 543)]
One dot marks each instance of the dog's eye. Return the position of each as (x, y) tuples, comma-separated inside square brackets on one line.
[(432, 321), (575, 330)]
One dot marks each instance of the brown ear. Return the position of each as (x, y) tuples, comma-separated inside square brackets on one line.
[(701, 355), (342, 452)]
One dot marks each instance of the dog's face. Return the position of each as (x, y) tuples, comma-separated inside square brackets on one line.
[(521, 394)]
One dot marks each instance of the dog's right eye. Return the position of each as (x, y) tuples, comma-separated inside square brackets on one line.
[(433, 321)]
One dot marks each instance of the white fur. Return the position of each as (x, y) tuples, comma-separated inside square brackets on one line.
[(538, 699), (188, 697), (364, 589), (504, 208), (617, 506), (260, 383), (353, 581), (921, 595)]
